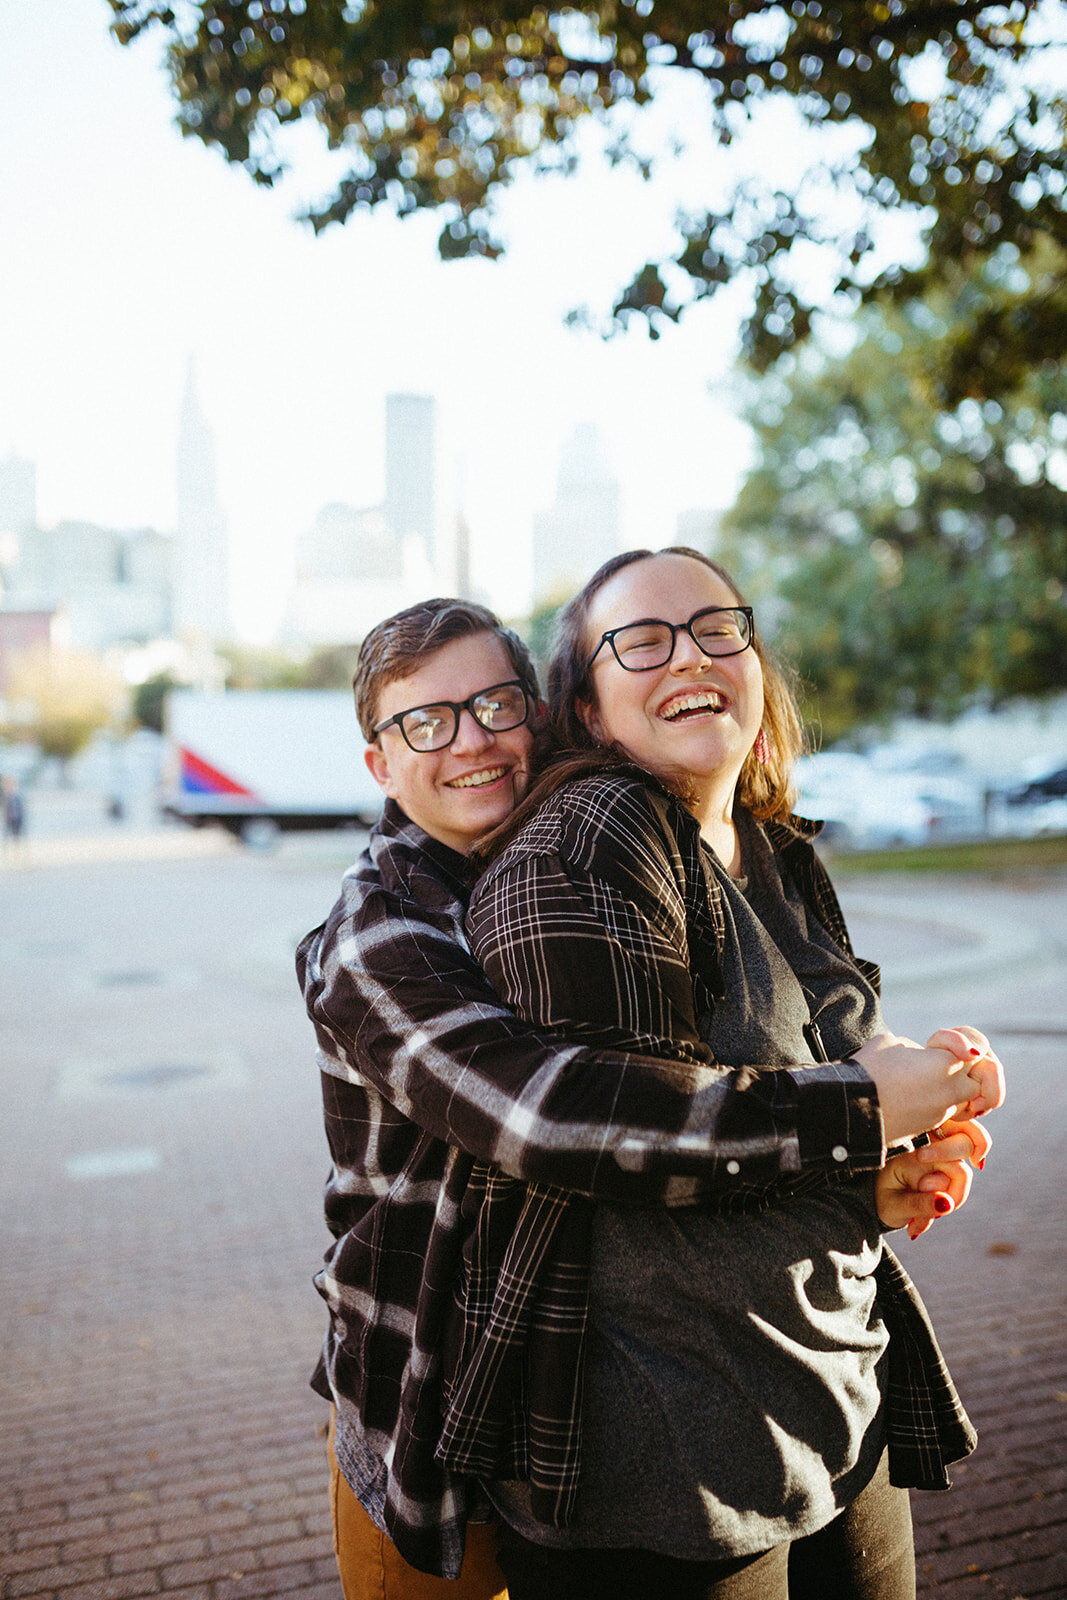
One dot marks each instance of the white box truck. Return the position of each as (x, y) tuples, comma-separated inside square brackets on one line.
[(260, 760)]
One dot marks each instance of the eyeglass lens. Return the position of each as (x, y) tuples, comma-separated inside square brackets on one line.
[(718, 632), (434, 727)]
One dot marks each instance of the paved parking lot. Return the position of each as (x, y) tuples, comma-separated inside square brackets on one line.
[(161, 1161)]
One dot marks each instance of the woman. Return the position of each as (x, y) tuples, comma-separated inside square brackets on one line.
[(734, 1424)]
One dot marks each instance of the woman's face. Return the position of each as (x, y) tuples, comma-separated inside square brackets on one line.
[(695, 718)]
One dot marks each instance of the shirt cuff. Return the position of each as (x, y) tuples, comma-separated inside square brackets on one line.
[(839, 1124)]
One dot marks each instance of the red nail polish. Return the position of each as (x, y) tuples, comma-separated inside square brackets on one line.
[(981, 1164), (975, 1050), (942, 1204)]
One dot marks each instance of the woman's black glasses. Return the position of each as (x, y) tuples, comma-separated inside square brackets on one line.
[(717, 631)]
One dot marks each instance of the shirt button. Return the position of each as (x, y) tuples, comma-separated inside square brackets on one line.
[(733, 1168), (839, 1152)]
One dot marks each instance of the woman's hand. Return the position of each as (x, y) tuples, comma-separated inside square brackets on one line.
[(983, 1067), (955, 1073), (914, 1189)]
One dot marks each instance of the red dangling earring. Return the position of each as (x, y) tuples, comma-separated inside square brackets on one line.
[(761, 749)]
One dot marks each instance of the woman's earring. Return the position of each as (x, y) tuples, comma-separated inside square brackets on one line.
[(761, 749)]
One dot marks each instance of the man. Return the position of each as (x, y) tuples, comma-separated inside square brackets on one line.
[(441, 1107)]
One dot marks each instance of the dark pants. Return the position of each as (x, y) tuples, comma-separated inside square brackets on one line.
[(866, 1553)]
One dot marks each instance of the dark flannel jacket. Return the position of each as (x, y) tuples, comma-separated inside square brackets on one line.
[(599, 919), (441, 1109)]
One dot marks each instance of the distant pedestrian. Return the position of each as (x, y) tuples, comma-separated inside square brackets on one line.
[(14, 812)]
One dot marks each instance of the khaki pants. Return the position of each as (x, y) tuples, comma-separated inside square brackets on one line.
[(371, 1567)]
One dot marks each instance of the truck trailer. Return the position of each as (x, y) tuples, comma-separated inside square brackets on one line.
[(260, 760)]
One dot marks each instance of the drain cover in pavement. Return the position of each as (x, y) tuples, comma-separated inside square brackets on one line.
[(129, 980), (112, 1163), (137, 978), (125, 1074), (160, 1075)]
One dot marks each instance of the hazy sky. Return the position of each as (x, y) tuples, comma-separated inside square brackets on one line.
[(124, 250)]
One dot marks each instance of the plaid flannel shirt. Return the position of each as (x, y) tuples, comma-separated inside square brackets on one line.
[(600, 920), (437, 1099)]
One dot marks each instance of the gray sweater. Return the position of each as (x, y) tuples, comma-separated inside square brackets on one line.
[(733, 1370)]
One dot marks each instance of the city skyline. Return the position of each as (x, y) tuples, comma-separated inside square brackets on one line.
[(130, 588), (128, 249)]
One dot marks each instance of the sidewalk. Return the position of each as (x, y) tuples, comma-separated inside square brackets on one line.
[(993, 1277), (161, 1161)]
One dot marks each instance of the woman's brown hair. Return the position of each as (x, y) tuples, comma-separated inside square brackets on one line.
[(565, 749)]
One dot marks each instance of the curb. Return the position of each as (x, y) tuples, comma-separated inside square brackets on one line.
[(75, 850)]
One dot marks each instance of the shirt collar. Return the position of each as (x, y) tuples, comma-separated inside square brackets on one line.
[(407, 849)]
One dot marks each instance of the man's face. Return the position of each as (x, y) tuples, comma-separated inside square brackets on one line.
[(458, 794)]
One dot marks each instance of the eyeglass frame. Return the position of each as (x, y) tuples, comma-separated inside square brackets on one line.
[(676, 628), (457, 707)]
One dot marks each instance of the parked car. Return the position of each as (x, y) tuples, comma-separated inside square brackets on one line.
[(1037, 806), (1051, 786), (865, 806)]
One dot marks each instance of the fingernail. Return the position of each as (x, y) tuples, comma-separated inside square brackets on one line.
[(981, 1164), (942, 1204), (975, 1050)]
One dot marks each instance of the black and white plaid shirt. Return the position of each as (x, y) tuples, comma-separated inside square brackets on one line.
[(459, 1136), (601, 909)]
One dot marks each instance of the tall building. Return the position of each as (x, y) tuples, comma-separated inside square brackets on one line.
[(356, 565), (18, 495), (77, 583), (410, 508), (351, 570), (202, 576), (18, 512), (581, 528), (112, 587)]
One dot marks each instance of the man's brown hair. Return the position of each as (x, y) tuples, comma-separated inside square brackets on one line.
[(395, 647)]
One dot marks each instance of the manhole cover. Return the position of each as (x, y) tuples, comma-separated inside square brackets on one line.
[(113, 981), (126, 1073), (158, 1076), (128, 980)]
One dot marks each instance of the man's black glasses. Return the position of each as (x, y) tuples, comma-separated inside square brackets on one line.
[(497, 709)]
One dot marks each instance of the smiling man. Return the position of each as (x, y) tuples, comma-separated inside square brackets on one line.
[(453, 1126), (444, 695)]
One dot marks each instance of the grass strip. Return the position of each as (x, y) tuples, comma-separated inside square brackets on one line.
[(997, 857)]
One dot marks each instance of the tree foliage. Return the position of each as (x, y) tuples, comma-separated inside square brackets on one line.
[(149, 701), (440, 105), (59, 698), (910, 557)]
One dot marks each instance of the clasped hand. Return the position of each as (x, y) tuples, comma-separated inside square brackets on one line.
[(956, 1074), (914, 1189), (941, 1086)]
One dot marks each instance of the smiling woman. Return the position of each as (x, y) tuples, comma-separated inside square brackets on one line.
[(718, 1425), (683, 707)]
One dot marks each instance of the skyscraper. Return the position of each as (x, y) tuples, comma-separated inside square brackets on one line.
[(18, 495), (202, 578), (18, 512), (581, 528), (410, 508)]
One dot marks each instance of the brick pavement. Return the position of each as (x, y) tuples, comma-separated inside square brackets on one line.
[(993, 1276), (156, 1327)]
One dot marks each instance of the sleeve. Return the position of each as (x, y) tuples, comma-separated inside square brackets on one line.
[(590, 944), (398, 1002)]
